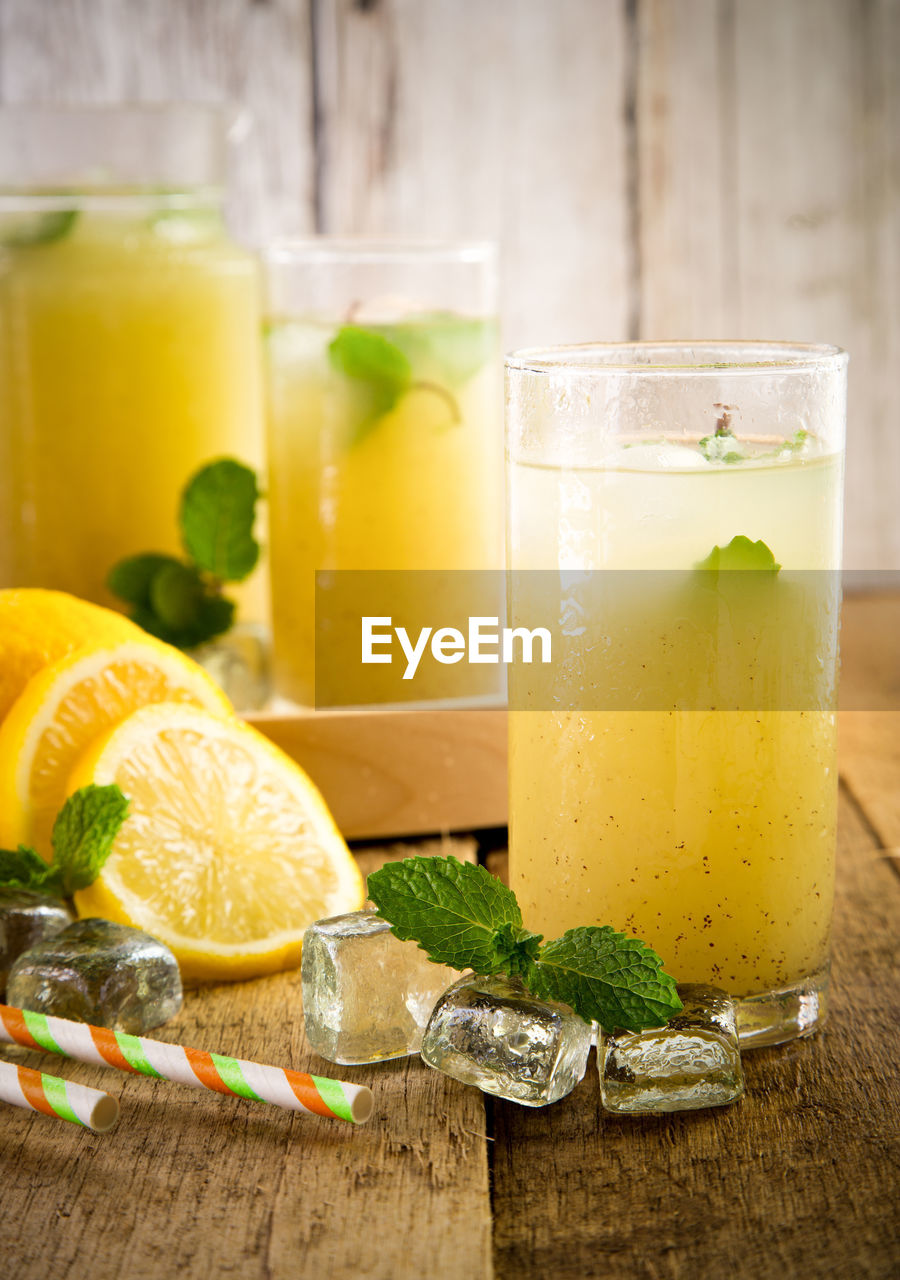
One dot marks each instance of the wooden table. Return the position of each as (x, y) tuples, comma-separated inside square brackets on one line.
[(798, 1180)]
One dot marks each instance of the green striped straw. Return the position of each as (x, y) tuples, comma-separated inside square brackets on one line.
[(54, 1097), (295, 1090)]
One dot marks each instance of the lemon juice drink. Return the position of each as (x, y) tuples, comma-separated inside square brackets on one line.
[(385, 454), (129, 339), (675, 775)]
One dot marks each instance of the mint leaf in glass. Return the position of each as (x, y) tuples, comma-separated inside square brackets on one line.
[(740, 553), (218, 509), (25, 230), (444, 347), (369, 357), (461, 346), (452, 909), (605, 977), (382, 370)]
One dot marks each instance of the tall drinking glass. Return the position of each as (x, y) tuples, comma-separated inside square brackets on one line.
[(384, 439), (129, 334), (677, 508)]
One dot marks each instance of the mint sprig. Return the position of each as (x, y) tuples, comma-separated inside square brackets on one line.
[(82, 840), (461, 916), (181, 601), (382, 372)]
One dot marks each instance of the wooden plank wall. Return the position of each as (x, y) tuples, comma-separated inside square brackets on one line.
[(652, 168)]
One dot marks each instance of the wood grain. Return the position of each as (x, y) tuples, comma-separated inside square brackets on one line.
[(460, 118)]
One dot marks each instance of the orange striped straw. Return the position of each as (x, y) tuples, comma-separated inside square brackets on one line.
[(54, 1097), (295, 1090)]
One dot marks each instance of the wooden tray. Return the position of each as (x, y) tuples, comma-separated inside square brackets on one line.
[(400, 772)]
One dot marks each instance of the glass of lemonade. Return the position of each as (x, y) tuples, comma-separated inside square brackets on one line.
[(385, 453), (129, 334), (677, 508)]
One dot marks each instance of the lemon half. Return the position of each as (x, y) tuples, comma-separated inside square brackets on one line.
[(68, 704), (37, 627), (228, 852)]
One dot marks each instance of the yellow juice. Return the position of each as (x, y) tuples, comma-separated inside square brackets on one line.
[(129, 356), (415, 487), (706, 830)]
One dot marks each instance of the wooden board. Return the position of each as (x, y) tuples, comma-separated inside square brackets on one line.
[(400, 772)]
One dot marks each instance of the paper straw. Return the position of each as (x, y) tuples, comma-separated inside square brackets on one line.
[(54, 1097), (295, 1090)]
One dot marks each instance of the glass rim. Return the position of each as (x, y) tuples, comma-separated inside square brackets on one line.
[(317, 249), (772, 356)]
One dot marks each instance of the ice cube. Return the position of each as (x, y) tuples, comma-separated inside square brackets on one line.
[(367, 996), (491, 1032), (238, 661), (100, 972), (25, 919), (693, 1062)]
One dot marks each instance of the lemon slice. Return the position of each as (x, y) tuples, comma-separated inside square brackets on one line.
[(69, 703), (228, 852), (37, 627)]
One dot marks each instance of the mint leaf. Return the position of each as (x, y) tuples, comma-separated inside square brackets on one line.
[(369, 357), (215, 616), (24, 231), (606, 977), (722, 447), (22, 868), (452, 909), (516, 950), (740, 553), (132, 578), (446, 346), (84, 832), (218, 509), (177, 593)]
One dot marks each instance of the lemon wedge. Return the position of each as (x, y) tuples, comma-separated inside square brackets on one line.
[(37, 627), (68, 704), (228, 852)]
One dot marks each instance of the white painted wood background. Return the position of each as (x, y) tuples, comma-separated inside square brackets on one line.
[(652, 168)]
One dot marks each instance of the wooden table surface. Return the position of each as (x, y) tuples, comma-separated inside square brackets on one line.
[(799, 1179)]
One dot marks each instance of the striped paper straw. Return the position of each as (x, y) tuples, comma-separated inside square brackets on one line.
[(54, 1097), (295, 1090)]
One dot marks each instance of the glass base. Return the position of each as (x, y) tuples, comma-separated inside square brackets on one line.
[(777, 1016)]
